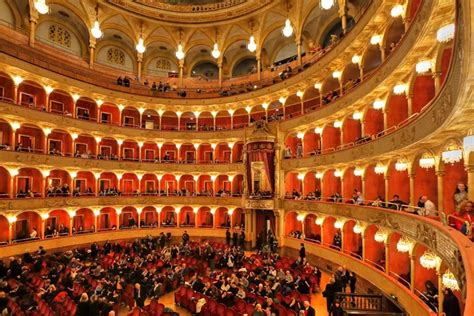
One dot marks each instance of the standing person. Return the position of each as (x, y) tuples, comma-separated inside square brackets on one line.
[(139, 296), (235, 238), (459, 196), (302, 252), (352, 282), (450, 303), (337, 309), (299, 150), (185, 238), (83, 306), (308, 310), (227, 237), (242, 238), (330, 294)]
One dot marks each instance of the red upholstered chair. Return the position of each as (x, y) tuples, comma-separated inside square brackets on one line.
[(221, 310), (179, 295), (159, 309), (230, 312), (249, 309), (290, 312)]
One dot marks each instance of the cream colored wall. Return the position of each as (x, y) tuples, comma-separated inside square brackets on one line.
[(42, 35), (102, 59)]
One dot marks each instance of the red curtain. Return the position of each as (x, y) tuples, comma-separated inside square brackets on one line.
[(263, 151)]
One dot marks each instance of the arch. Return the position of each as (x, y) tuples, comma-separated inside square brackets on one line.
[(352, 243), (205, 218), (312, 231), (293, 227), (374, 251), (398, 183), (28, 226), (374, 184), (4, 229), (399, 262), (83, 221)]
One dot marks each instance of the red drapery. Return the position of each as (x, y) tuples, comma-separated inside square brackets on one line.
[(263, 151)]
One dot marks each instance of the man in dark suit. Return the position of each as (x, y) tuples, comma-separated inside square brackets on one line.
[(308, 310), (302, 252), (139, 296)]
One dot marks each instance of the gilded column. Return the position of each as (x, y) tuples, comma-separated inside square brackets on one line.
[(470, 181), (259, 65), (220, 73), (385, 119), (139, 65), (91, 51), (439, 274), (412, 270), (386, 183), (440, 181), (387, 256), (298, 47), (181, 74), (410, 104), (33, 22), (437, 82), (411, 176)]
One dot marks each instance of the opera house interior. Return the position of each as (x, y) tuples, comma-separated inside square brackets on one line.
[(236, 157)]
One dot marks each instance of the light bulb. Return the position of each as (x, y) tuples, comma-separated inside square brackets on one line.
[(327, 4), (396, 11), (287, 29), (446, 33), (252, 46), (216, 52), (96, 31)]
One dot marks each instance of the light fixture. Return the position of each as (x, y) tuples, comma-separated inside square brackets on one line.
[(445, 33), (326, 4), (379, 169), (378, 104), (358, 172), (287, 29), (48, 89), (216, 52), (380, 236), (356, 59), (300, 176), (230, 212), (449, 281), (399, 89), (357, 228), (99, 102), (426, 161), (47, 131), (299, 94), (319, 220), (404, 244), (73, 174), (11, 219), (338, 173), (451, 156), (337, 74), (319, 175), (401, 165), (41, 6), (300, 135), (429, 260), (180, 53), (337, 123), (300, 217), (357, 115), (17, 80), (423, 66), (376, 39), (13, 172), (338, 224), (265, 105), (282, 100), (195, 209), (252, 46), (75, 97), (318, 86), (397, 11), (318, 130), (140, 46)]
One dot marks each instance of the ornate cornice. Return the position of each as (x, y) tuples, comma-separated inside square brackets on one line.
[(19, 205), (22, 159)]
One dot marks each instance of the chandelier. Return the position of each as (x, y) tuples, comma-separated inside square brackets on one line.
[(337, 123), (300, 217), (380, 236), (404, 244), (356, 59), (379, 169), (326, 4), (41, 6), (399, 89), (338, 224), (319, 175), (252, 46), (216, 52), (357, 228), (287, 29), (427, 161), (180, 52), (378, 104), (396, 11), (376, 39), (319, 220), (140, 46), (445, 33), (401, 165), (358, 172), (423, 66), (318, 130), (338, 173), (451, 156), (95, 30), (449, 281), (429, 260)]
